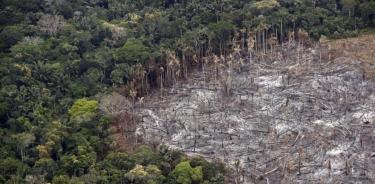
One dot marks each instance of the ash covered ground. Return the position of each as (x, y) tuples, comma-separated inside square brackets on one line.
[(292, 117)]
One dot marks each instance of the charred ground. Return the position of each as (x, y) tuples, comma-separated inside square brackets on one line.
[(293, 115)]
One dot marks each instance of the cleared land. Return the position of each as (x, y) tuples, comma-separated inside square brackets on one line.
[(292, 116)]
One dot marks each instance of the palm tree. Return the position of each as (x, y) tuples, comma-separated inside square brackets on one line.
[(133, 94), (250, 43), (185, 48), (261, 29), (272, 41), (291, 36), (140, 74), (283, 16), (173, 65), (303, 36)]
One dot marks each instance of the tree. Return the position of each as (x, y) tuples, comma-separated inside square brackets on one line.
[(77, 89), (222, 33), (145, 156), (4, 108), (120, 161), (173, 66), (367, 11), (9, 36), (133, 51), (118, 33), (212, 171), (141, 175), (11, 167), (43, 151), (51, 24), (54, 53), (113, 104), (185, 174), (30, 50), (23, 141), (70, 164), (264, 6), (349, 5), (34, 179), (45, 167), (121, 74), (83, 110), (119, 8), (61, 179)]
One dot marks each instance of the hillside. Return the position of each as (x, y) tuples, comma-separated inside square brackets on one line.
[(358, 48), (186, 91), (292, 118)]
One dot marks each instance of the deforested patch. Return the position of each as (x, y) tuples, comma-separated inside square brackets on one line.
[(282, 122)]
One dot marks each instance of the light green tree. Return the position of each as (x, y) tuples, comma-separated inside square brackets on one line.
[(23, 140), (133, 51), (185, 174), (145, 175), (83, 110)]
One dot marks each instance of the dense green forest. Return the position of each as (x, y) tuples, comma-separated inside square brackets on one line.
[(58, 56)]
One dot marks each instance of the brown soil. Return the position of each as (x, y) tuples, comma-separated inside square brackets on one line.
[(359, 48)]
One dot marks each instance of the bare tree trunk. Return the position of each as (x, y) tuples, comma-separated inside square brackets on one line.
[(256, 41), (266, 40), (195, 132), (203, 72), (281, 31), (161, 81), (184, 64)]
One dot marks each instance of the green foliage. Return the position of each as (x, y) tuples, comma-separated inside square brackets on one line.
[(78, 89), (221, 34), (120, 161), (265, 5), (3, 108), (56, 55), (133, 51), (149, 175), (212, 172), (30, 49), (11, 167), (185, 174), (45, 166), (145, 156), (9, 36), (61, 179), (83, 109), (349, 3)]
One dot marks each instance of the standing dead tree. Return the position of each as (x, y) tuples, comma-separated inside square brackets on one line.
[(124, 121), (51, 24), (299, 120)]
